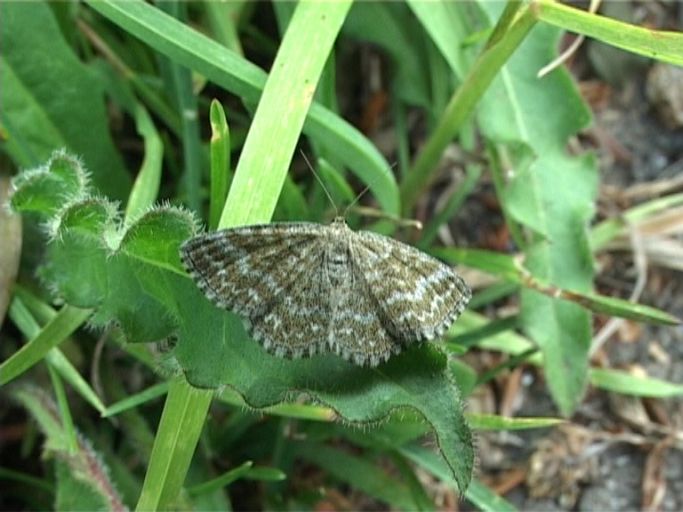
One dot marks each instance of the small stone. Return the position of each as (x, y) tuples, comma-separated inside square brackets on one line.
[(665, 92)]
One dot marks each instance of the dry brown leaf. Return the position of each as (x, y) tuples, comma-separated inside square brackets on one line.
[(561, 464), (10, 234), (654, 480)]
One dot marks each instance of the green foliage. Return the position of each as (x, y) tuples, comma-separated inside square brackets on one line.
[(139, 278), (552, 194), (52, 100), (117, 266)]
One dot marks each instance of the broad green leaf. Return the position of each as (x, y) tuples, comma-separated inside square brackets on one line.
[(553, 197), (48, 188), (414, 379), (465, 376), (49, 99), (119, 283), (399, 429), (132, 276)]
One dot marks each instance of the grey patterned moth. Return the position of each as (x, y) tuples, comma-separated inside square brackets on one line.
[(304, 288)]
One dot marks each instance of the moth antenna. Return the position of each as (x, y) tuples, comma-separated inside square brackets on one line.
[(329, 197), (346, 210), (367, 211), (359, 196)]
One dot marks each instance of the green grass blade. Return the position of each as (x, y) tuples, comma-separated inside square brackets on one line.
[(508, 342), (511, 363), (494, 422), (70, 374), (239, 76), (222, 481), (477, 493), (286, 98), (620, 308), (57, 330), (40, 484), (491, 328), (505, 266), (358, 472), (20, 315), (451, 207), (459, 108), (146, 187), (446, 28), (265, 474), (627, 384), (662, 45), (179, 428), (289, 410), (137, 399), (223, 17), (421, 499), (180, 79), (486, 499), (64, 412), (221, 176), (607, 230), (492, 293)]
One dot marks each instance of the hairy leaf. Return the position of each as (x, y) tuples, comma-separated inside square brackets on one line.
[(130, 275)]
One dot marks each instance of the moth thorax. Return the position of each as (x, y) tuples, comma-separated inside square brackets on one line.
[(337, 262)]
